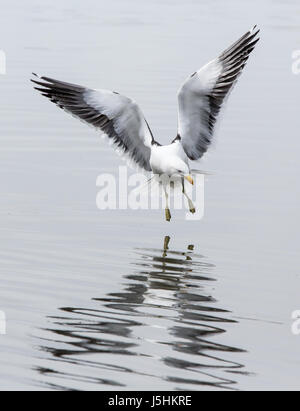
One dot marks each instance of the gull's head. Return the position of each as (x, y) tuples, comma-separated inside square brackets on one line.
[(180, 168)]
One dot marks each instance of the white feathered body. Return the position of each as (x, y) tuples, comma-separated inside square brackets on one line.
[(169, 159)]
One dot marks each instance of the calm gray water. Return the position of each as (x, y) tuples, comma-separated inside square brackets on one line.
[(121, 300)]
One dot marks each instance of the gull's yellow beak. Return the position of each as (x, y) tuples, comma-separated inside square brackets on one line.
[(190, 179)]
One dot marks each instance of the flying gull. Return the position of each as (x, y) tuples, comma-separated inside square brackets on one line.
[(200, 99)]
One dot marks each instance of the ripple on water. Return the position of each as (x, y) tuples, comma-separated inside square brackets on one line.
[(164, 316)]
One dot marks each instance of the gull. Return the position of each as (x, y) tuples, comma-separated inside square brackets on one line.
[(121, 120)]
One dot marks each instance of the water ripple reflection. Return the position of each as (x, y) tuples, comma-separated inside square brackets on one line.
[(160, 326)]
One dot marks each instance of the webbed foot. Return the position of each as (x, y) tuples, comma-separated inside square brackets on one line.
[(168, 215)]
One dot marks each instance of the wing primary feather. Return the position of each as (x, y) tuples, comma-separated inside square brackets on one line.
[(118, 117), (201, 97)]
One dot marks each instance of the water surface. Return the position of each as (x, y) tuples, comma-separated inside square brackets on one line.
[(121, 300)]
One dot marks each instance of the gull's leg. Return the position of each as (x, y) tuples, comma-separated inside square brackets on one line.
[(166, 246), (191, 205), (168, 213)]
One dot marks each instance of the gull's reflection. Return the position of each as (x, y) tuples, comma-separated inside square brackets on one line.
[(161, 325)]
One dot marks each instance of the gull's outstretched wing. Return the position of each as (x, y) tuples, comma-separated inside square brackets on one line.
[(116, 116), (201, 96)]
